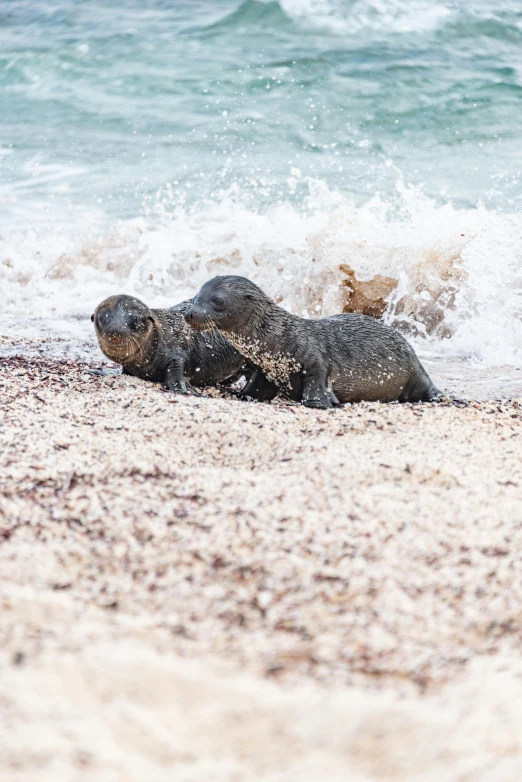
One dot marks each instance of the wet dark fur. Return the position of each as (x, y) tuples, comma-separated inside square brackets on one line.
[(344, 358), (159, 345)]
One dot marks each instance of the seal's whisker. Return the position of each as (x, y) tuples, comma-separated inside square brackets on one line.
[(138, 347), (214, 331)]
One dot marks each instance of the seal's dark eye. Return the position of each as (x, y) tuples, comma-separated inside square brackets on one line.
[(218, 302), (134, 323)]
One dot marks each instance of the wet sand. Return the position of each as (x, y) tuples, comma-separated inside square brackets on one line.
[(205, 589)]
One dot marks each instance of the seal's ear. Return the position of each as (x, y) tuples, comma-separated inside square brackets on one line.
[(92, 318)]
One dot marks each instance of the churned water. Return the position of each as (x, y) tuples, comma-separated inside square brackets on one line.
[(344, 154)]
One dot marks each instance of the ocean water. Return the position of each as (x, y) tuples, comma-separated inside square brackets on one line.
[(345, 154)]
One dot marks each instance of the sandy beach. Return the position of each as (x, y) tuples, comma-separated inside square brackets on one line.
[(207, 589), (203, 589)]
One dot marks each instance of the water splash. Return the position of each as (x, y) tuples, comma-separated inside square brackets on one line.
[(449, 278)]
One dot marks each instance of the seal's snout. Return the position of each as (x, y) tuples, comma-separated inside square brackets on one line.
[(197, 317), (115, 337), (113, 329)]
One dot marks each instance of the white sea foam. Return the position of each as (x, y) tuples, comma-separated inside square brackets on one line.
[(450, 278), (396, 16)]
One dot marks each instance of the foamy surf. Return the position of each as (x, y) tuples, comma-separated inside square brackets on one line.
[(450, 279)]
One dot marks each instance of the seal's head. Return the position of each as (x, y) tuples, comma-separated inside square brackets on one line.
[(123, 326), (228, 303)]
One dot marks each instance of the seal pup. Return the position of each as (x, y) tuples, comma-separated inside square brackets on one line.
[(159, 345), (321, 363)]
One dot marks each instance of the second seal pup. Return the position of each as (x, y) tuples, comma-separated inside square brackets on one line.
[(159, 345), (343, 358)]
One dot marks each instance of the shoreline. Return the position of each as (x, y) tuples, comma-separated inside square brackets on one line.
[(375, 547), (465, 377)]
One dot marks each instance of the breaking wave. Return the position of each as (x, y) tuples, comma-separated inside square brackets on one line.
[(449, 278)]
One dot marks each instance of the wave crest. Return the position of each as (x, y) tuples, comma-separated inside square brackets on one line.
[(339, 17)]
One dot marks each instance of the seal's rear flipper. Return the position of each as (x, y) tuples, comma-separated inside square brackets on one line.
[(420, 389), (103, 372), (193, 390), (443, 397), (335, 402)]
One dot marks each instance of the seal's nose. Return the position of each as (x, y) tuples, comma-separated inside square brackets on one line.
[(196, 317), (115, 337)]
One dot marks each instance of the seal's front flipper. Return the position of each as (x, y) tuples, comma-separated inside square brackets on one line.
[(181, 388), (315, 389), (175, 378), (259, 387), (319, 404)]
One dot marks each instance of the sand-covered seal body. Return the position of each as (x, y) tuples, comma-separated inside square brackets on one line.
[(159, 345), (343, 358)]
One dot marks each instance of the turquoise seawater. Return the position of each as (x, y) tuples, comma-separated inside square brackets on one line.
[(103, 103), (310, 144)]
